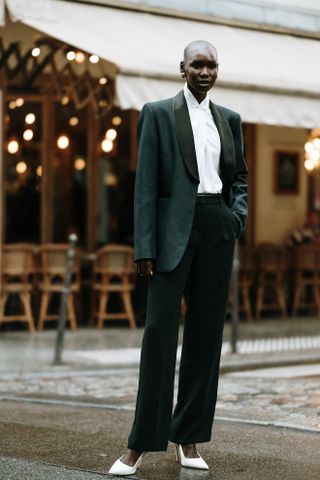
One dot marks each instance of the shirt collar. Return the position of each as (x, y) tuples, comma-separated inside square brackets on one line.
[(192, 102)]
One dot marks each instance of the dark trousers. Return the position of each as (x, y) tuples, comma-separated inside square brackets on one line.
[(203, 275)]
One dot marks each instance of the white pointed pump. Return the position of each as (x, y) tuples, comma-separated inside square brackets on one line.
[(189, 462), (120, 468)]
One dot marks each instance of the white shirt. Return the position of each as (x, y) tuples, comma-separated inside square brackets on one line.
[(207, 143)]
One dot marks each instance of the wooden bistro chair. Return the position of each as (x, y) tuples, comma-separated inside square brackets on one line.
[(306, 274), (113, 272), (53, 263), (17, 278), (271, 266)]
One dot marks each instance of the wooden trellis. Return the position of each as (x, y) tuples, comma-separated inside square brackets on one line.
[(23, 70)]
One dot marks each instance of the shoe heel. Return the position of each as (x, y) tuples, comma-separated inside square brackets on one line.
[(176, 451)]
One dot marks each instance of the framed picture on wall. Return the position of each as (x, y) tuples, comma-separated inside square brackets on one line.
[(286, 172)]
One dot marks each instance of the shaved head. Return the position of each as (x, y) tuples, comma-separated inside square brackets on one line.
[(199, 67), (197, 46)]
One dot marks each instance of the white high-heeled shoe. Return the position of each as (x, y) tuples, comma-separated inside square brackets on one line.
[(120, 468), (189, 462)]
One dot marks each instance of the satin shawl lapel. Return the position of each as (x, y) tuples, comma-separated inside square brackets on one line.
[(228, 156), (185, 135)]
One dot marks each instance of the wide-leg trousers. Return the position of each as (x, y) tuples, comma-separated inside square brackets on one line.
[(203, 276)]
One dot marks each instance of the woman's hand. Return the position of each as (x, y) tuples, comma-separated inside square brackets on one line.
[(144, 267)]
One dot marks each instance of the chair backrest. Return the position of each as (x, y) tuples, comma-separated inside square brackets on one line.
[(306, 258), (271, 258), (114, 260), (18, 260), (53, 261)]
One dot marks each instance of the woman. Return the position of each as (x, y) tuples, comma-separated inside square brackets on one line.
[(190, 205)]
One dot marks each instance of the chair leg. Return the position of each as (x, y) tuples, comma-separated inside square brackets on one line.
[(45, 299), (128, 308), (259, 301), (315, 289), (26, 301), (71, 312), (246, 302), (3, 301), (103, 299), (281, 301), (296, 298)]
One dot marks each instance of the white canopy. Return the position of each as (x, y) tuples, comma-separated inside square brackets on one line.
[(266, 77)]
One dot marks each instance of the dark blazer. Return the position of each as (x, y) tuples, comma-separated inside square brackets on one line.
[(167, 178)]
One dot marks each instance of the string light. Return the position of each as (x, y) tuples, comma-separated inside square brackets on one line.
[(116, 121), (73, 121), (65, 100), (12, 105), (80, 57), (28, 134), (312, 152), (94, 58), (71, 55), (308, 164), (35, 52), (103, 80), (107, 145), (79, 164), (111, 134), (13, 146), (39, 170), (30, 118), (21, 167), (19, 102), (63, 142)]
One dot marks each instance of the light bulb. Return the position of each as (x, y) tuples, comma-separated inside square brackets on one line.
[(35, 52), (30, 118), (13, 146), (316, 142), (107, 145), (71, 55), (79, 164), (63, 142), (94, 58), (116, 121), (65, 100), (111, 134), (39, 170), (315, 155), (19, 102), (80, 57), (308, 164), (21, 167), (103, 80), (28, 134), (73, 121)]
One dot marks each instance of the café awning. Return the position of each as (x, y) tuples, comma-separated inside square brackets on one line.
[(267, 77)]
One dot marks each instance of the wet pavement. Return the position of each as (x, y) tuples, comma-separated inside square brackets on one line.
[(71, 421), (88, 441), (270, 340)]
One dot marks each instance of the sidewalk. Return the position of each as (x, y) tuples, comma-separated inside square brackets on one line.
[(262, 343), (70, 422), (101, 368)]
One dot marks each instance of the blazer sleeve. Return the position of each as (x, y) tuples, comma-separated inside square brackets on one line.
[(145, 191), (239, 196)]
